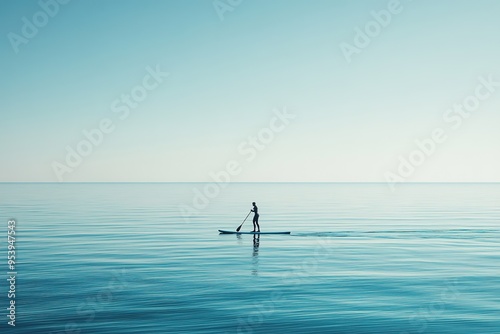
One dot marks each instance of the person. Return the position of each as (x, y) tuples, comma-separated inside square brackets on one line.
[(255, 217)]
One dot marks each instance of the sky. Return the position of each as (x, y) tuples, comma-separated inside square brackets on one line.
[(249, 91)]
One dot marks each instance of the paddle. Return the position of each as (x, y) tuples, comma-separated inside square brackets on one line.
[(239, 227)]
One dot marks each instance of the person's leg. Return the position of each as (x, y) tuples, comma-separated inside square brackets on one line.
[(257, 222), (253, 224)]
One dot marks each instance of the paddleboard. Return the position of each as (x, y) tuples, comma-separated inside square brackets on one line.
[(234, 232)]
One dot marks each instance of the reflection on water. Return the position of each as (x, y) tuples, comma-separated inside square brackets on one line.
[(255, 254)]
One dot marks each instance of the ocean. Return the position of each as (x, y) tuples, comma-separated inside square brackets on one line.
[(148, 258)]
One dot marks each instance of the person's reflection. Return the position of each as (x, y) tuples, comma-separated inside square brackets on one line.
[(255, 254)]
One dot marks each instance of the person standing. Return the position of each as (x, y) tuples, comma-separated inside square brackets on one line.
[(255, 210)]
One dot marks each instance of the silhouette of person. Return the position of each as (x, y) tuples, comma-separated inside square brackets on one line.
[(255, 217)]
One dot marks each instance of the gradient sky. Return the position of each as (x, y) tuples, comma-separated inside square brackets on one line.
[(353, 120)]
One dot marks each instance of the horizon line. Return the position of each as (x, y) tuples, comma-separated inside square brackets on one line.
[(333, 182)]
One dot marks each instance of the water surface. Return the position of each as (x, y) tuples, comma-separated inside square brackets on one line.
[(124, 258)]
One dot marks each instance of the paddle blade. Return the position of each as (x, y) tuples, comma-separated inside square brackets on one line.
[(239, 228)]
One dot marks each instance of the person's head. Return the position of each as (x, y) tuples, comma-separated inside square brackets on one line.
[(253, 203)]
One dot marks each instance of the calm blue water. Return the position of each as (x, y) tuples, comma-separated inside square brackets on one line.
[(122, 258)]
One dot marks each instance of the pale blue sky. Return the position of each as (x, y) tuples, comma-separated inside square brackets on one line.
[(353, 120)]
